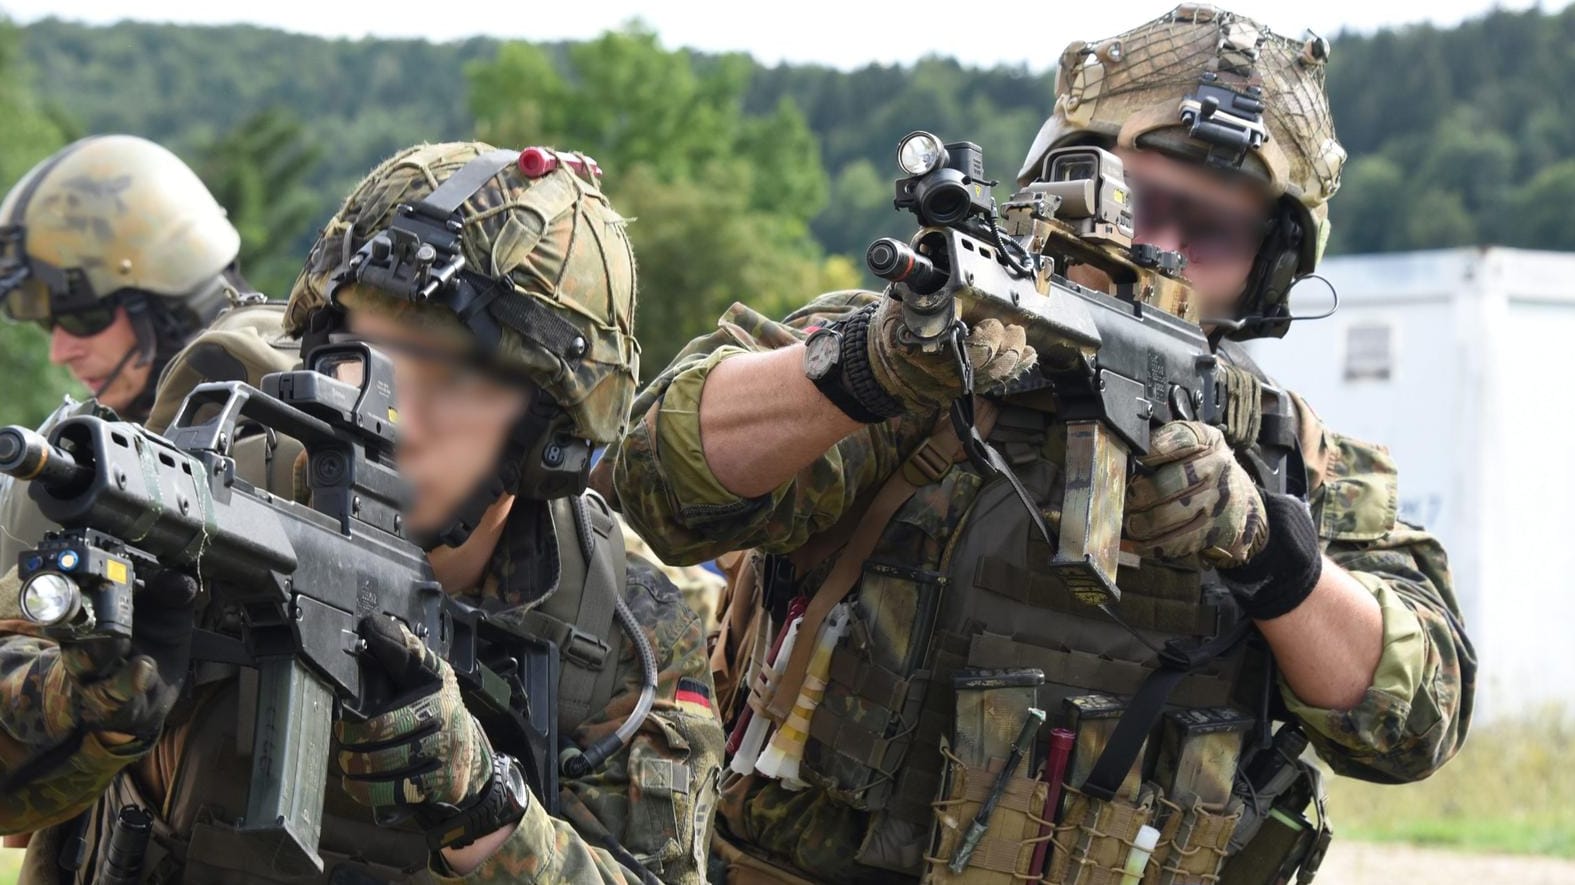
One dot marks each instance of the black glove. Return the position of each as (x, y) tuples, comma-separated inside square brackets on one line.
[(1281, 575), (134, 691)]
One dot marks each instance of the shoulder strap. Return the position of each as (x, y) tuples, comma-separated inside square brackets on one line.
[(928, 463), (578, 617)]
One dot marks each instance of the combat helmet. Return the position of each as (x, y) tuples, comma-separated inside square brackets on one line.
[(521, 252), (116, 220), (1210, 86)]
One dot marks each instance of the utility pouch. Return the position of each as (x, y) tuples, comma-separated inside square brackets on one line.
[(1273, 839), (1285, 844), (1193, 843), (992, 709), (1095, 838), (860, 733)]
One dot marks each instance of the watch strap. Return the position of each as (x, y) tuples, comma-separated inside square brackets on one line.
[(495, 807), (852, 386)]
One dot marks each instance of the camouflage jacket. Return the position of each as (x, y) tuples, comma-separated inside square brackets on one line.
[(655, 798), (1412, 719)]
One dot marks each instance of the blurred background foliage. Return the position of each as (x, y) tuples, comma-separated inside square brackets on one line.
[(745, 182)]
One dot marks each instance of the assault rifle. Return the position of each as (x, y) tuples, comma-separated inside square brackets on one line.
[(1114, 363), (285, 583)]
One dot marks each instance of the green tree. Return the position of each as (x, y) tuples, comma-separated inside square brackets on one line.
[(29, 134), (1365, 214), (258, 173), (1539, 210), (720, 200)]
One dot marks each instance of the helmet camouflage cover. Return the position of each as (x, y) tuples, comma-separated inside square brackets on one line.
[(108, 214), (1135, 89), (553, 240)]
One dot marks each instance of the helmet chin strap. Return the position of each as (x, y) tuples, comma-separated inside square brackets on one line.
[(503, 480), (114, 374)]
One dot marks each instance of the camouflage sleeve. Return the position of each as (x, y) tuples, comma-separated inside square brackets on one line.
[(654, 798), (667, 491), (1415, 714), (34, 717)]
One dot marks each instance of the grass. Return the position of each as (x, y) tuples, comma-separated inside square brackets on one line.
[(10, 865), (1511, 790)]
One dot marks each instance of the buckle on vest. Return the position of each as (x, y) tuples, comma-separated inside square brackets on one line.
[(926, 465), (585, 649)]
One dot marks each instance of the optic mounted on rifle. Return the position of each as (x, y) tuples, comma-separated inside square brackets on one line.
[(945, 184)]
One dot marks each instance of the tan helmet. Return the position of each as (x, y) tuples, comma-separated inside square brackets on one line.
[(536, 269), (114, 216), (1215, 87)]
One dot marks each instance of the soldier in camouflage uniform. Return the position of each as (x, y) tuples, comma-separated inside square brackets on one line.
[(499, 409), (116, 249), (734, 446)]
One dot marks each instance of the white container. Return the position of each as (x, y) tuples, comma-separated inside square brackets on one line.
[(1458, 360)]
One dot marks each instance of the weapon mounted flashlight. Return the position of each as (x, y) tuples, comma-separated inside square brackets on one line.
[(945, 183), (50, 598), (919, 153)]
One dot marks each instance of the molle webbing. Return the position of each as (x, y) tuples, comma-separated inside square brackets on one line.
[(927, 464)]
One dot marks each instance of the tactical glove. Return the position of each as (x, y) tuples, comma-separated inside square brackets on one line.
[(1195, 501), (422, 748), (111, 690), (927, 381), (1285, 571)]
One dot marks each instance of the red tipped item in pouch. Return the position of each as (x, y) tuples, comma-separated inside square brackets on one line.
[(795, 610), (1060, 743)]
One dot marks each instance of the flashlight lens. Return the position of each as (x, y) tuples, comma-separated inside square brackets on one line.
[(49, 598), (67, 560), (919, 153)]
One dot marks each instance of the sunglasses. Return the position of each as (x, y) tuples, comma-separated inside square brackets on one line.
[(83, 323), (1208, 232)]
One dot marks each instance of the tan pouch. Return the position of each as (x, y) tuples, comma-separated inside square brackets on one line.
[(1005, 851), (1192, 845), (1095, 837)]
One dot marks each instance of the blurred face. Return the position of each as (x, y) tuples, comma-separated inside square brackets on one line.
[(91, 359), (453, 418), (1217, 222)]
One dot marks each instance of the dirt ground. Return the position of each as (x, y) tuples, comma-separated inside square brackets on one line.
[(1363, 863)]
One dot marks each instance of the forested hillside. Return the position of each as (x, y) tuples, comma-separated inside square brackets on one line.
[(754, 182)]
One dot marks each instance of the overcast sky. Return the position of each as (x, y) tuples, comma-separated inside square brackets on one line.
[(841, 33)]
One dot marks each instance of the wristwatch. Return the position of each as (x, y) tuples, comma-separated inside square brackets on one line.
[(503, 802), (836, 360)]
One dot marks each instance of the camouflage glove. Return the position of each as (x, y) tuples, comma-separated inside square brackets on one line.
[(1197, 499), (424, 748), (1286, 570), (927, 381), (110, 690)]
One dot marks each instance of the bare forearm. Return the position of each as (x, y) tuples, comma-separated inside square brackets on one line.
[(1328, 647), (762, 421)]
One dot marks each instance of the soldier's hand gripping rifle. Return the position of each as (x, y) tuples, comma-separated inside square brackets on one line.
[(1112, 365), (286, 584)]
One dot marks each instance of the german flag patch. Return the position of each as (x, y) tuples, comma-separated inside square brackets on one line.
[(694, 697)]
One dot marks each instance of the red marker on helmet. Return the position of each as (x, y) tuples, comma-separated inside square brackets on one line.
[(538, 161)]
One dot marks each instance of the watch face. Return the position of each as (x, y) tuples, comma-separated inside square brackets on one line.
[(821, 353)]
